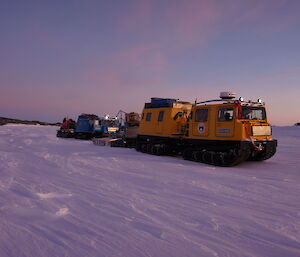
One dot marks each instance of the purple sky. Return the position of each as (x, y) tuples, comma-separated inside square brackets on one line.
[(61, 58)]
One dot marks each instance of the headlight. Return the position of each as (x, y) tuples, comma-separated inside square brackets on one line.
[(261, 131)]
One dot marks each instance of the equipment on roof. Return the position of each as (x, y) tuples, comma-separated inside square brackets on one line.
[(227, 95)]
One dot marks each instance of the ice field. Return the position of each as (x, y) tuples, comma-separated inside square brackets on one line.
[(70, 198)]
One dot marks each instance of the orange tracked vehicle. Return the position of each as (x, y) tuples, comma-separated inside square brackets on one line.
[(222, 132)]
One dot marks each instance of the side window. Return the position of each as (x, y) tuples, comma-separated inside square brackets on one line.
[(201, 115), (148, 116), (225, 114), (178, 114), (142, 116), (160, 116)]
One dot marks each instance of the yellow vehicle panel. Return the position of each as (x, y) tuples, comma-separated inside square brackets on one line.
[(221, 122), (161, 122)]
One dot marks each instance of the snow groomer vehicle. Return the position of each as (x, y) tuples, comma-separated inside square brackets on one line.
[(67, 128), (89, 126), (222, 132)]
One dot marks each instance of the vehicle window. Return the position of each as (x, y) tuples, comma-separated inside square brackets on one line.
[(253, 113), (178, 114), (148, 116), (201, 115), (142, 116), (225, 114), (160, 116)]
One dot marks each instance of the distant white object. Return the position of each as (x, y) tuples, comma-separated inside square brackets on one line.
[(227, 95)]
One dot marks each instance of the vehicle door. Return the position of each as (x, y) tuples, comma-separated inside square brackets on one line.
[(225, 121), (200, 122)]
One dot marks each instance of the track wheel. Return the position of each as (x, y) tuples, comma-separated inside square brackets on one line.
[(188, 154), (143, 148), (218, 159), (197, 156), (207, 157), (138, 147), (155, 150), (148, 148)]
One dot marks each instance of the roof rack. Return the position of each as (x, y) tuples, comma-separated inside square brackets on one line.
[(215, 100)]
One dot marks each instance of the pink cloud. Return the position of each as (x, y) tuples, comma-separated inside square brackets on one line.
[(266, 16), (143, 57), (138, 14), (19, 100), (192, 22), (128, 67), (103, 76), (183, 23)]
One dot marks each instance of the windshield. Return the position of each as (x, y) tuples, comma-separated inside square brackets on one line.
[(253, 113)]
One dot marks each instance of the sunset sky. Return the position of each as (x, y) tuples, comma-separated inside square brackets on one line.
[(64, 57)]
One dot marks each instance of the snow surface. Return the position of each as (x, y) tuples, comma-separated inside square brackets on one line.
[(66, 197)]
